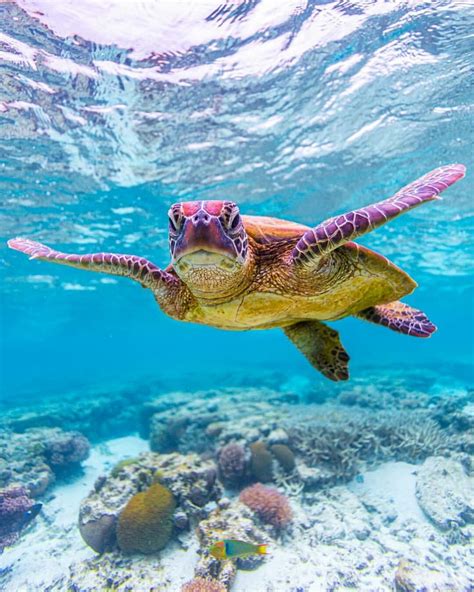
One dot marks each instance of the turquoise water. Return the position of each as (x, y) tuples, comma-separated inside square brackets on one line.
[(109, 113), (297, 112)]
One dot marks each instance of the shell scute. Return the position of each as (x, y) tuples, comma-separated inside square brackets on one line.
[(266, 230)]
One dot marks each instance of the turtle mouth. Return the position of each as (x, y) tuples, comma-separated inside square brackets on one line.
[(202, 243), (203, 258)]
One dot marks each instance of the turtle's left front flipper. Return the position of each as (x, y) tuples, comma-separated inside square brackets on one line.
[(136, 268), (399, 317), (331, 234), (322, 348)]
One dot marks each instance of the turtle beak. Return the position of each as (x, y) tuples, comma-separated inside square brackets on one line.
[(203, 241)]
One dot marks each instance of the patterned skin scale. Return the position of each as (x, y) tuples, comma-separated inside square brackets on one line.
[(247, 272)]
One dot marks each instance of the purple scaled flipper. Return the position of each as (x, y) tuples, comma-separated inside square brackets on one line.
[(136, 268), (333, 233), (399, 317)]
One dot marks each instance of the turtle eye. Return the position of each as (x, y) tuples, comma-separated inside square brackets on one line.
[(175, 222), (234, 222), (231, 217)]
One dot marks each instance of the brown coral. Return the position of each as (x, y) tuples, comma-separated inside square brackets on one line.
[(145, 524), (269, 504), (261, 462), (203, 585), (284, 456)]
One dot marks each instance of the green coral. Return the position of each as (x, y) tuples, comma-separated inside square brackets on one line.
[(284, 456), (145, 524), (261, 462), (122, 465)]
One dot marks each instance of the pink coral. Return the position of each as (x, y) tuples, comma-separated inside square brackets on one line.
[(17, 510), (271, 506), (203, 585)]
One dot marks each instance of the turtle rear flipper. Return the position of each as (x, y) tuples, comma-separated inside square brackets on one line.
[(322, 348), (399, 317)]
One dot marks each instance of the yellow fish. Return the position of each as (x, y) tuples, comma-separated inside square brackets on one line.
[(231, 548)]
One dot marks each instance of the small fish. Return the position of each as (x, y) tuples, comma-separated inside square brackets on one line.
[(30, 514), (230, 548)]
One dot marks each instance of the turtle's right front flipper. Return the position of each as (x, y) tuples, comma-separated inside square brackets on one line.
[(136, 268)]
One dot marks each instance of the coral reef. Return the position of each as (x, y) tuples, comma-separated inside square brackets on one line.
[(327, 443), (17, 510), (191, 480), (445, 492), (65, 449), (96, 414), (232, 464), (203, 585), (145, 524), (269, 504), (337, 443), (205, 421), (261, 462), (32, 459), (396, 524)]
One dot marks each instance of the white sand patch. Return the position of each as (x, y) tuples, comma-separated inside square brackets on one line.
[(44, 554), (395, 483)]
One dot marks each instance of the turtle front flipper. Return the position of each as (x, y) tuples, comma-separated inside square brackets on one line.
[(136, 268), (399, 317), (331, 234), (322, 348)]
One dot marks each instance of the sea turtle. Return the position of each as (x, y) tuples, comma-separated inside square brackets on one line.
[(241, 272)]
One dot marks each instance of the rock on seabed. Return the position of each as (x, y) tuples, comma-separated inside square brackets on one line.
[(445, 492)]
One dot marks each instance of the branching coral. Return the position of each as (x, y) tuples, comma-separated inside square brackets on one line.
[(146, 524), (231, 461), (269, 504), (261, 462), (339, 441), (203, 585)]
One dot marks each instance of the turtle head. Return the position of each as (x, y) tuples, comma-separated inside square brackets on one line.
[(208, 245)]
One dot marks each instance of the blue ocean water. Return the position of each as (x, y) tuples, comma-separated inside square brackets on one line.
[(300, 111), (110, 112)]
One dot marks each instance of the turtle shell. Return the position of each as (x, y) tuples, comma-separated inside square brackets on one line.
[(396, 283), (267, 230)]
